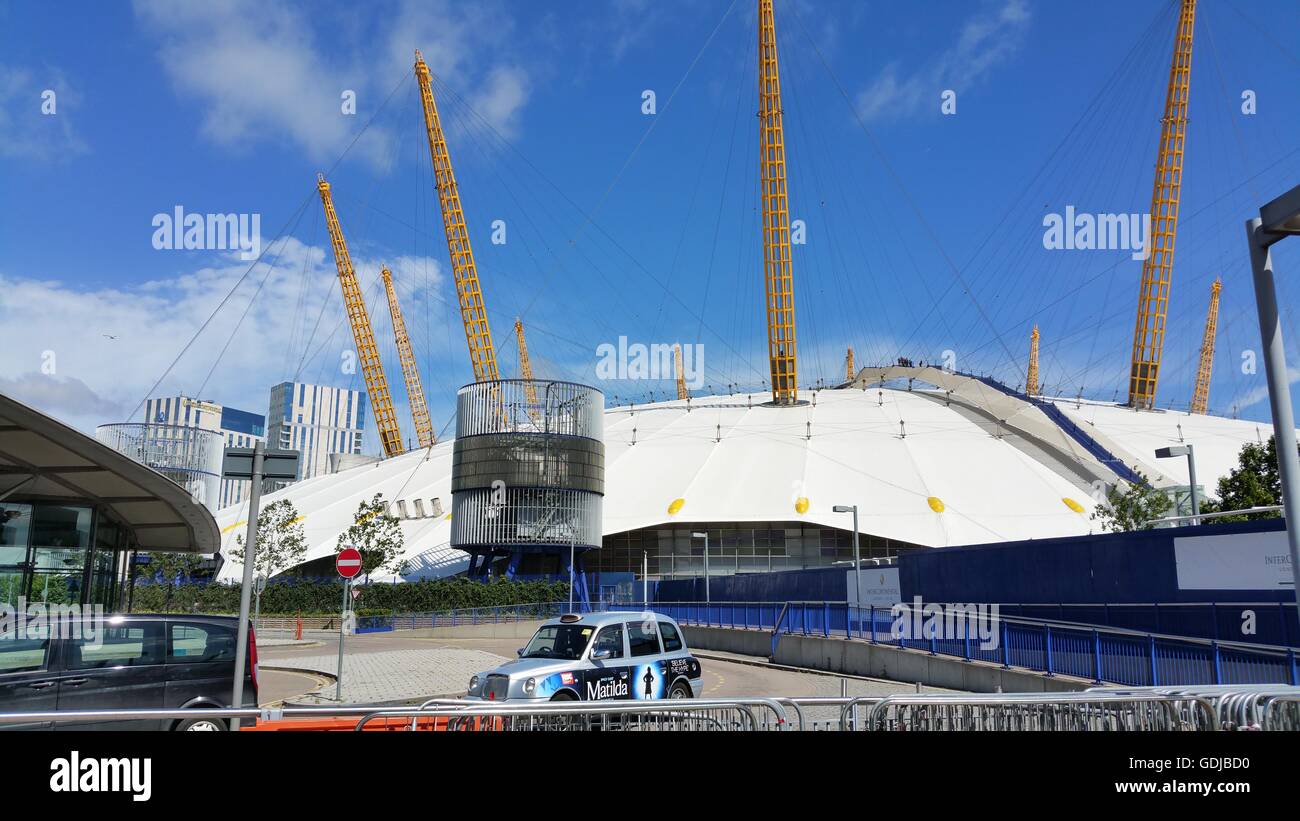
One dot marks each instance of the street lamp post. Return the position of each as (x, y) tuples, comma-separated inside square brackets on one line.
[(857, 558), (705, 537), (1276, 221), (1186, 450)]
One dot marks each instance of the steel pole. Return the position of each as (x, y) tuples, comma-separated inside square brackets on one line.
[(246, 591), (343, 613), (857, 557), (1279, 392), (645, 577), (1191, 476), (707, 600), (571, 552)]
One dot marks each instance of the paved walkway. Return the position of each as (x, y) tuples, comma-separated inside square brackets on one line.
[(390, 676)]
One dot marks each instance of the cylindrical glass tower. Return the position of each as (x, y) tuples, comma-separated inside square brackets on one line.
[(528, 469), (190, 457)]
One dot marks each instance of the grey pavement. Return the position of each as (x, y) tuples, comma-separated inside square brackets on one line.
[(393, 676)]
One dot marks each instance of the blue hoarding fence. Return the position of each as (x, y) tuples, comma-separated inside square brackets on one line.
[(1101, 654)]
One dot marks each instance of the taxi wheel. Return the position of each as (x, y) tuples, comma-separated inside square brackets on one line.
[(564, 695), (679, 690)]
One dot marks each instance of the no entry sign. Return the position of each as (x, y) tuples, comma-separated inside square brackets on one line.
[(348, 562)]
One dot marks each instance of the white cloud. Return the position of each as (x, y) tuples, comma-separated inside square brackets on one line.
[(266, 70), (26, 132), (110, 345), (1256, 395), (986, 39)]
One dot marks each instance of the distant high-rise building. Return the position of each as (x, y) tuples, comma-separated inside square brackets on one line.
[(315, 420), (238, 428)]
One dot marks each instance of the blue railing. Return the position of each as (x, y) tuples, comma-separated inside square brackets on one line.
[(1055, 648)]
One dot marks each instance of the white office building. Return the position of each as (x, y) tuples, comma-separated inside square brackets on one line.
[(316, 421), (238, 428)]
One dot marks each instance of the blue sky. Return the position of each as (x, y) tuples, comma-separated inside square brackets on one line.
[(924, 229)]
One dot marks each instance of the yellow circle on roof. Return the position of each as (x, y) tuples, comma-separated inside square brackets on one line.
[(801, 504), (1072, 505), (936, 504), (676, 506)]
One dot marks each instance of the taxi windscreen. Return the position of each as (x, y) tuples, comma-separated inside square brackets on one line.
[(559, 641)]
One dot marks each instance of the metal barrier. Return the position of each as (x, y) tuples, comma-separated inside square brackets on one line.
[(1097, 711), (1238, 707), (675, 715), (1210, 708)]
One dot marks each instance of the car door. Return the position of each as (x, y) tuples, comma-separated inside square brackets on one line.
[(609, 677), (27, 685), (119, 667), (200, 662), (678, 661), (649, 678)]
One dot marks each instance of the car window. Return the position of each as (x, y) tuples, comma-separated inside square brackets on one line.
[(24, 655), (610, 638), (126, 645), (672, 641), (558, 641), (641, 638), (196, 643)]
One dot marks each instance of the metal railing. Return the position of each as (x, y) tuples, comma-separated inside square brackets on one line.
[(1094, 710), (1094, 653), (1110, 709)]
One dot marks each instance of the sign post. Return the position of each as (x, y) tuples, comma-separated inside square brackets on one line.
[(348, 563), (255, 464)]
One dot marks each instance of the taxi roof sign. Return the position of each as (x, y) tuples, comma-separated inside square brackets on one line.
[(569, 618)]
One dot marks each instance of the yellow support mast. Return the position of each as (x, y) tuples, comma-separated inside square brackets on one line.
[(414, 390), (1031, 378), (777, 267), (371, 368), (473, 314), (526, 367), (682, 393), (1201, 394), (849, 373), (1157, 268)]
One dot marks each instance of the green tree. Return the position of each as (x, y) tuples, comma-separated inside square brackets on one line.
[(1132, 507), (1254, 482), (281, 541), (377, 535)]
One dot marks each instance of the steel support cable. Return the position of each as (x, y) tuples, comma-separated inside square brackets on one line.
[(1042, 168), (270, 269), (848, 295), (722, 198), (255, 262), (1070, 171), (929, 229), (460, 105), (458, 114), (1183, 221), (589, 220)]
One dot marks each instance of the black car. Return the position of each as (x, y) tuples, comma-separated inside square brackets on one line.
[(137, 661)]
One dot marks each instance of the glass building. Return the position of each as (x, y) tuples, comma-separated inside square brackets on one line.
[(76, 513)]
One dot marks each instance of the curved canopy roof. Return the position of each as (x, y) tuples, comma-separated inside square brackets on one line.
[(42, 457)]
